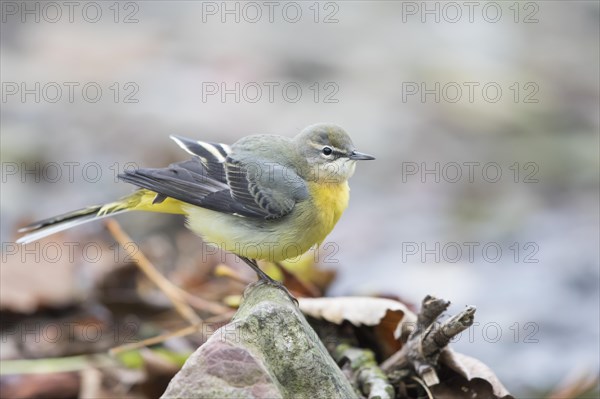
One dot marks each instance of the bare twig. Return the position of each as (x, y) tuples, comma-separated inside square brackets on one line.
[(220, 318), (203, 304), (422, 350), (154, 340), (169, 289), (431, 309), (56, 364), (450, 328)]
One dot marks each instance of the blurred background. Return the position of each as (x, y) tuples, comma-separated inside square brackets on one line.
[(484, 119)]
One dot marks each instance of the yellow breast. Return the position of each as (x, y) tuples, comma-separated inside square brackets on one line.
[(330, 199)]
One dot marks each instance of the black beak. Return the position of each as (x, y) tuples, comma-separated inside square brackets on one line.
[(359, 156)]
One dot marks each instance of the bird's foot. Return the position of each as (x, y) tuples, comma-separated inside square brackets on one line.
[(279, 285), (264, 278)]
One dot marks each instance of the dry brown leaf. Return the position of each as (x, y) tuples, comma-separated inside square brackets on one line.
[(53, 272), (360, 311), (465, 377), (40, 386), (29, 278)]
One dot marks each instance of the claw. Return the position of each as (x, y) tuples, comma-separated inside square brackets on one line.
[(264, 278)]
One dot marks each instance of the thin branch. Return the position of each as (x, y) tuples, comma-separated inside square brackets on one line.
[(203, 304), (56, 364), (154, 340), (421, 351), (168, 288), (220, 318)]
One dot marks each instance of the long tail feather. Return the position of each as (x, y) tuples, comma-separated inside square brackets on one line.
[(46, 227), (141, 200)]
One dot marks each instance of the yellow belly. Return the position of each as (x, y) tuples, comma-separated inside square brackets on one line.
[(308, 224)]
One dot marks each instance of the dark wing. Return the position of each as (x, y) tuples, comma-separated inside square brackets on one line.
[(266, 188), (189, 182), (214, 180), (212, 155)]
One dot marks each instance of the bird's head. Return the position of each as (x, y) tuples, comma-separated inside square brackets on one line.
[(329, 153)]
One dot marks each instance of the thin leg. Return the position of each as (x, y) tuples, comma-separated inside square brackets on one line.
[(262, 276)]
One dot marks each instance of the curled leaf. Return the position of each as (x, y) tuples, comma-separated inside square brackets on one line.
[(465, 377), (360, 311)]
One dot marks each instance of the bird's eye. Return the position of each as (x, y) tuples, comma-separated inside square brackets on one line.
[(327, 151)]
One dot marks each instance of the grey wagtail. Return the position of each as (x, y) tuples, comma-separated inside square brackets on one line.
[(266, 197)]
